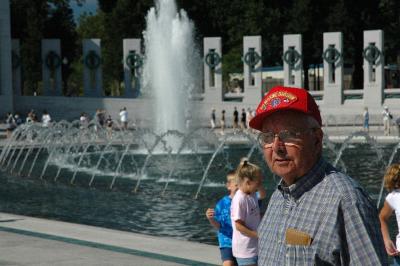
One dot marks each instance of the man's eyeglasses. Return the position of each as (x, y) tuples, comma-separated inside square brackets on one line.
[(285, 136)]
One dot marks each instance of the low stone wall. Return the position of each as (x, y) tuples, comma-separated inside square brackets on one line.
[(142, 111)]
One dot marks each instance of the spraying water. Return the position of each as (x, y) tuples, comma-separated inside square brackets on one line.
[(172, 64)]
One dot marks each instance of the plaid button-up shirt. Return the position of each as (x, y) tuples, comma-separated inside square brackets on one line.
[(333, 210)]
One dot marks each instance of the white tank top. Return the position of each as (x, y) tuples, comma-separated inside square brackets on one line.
[(393, 198)]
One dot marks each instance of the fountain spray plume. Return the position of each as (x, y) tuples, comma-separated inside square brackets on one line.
[(172, 66)]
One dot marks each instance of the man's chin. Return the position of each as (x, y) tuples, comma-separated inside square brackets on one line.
[(282, 166), (284, 173)]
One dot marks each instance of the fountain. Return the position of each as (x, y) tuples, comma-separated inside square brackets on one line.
[(172, 64)]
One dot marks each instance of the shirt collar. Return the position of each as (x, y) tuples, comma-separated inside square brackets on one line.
[(306, 182)]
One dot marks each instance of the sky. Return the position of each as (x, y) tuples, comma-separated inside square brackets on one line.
[(89, 6)]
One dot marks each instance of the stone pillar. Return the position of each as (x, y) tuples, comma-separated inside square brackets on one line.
[(92, 74), (6, 93), (252, 64), (16, 67), (333, 69), (51, 67), (292, 60), (212, 70), (132, 66), (374, 63)]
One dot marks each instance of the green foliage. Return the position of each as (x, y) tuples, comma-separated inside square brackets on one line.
[(231, 63), (91, 26), (107, 5), (75, 79)]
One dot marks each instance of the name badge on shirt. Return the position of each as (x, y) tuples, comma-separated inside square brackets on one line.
[(296, 237)]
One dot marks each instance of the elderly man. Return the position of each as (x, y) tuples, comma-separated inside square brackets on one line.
[(317, 215)]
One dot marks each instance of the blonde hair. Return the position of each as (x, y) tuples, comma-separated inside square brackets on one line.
[(247, 170), (392, 177), (231, 176)]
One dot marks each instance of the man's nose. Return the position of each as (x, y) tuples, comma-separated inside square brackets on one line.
[(277, 144)]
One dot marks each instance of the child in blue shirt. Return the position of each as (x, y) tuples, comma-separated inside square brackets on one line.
[(220, 218)]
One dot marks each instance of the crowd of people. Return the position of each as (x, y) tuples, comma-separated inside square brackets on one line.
[(239, 121), (316, 215), (101, 118)]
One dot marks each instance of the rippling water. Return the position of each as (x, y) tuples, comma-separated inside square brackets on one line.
[(175, 214)]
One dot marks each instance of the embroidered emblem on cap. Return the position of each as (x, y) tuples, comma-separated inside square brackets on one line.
[(275, 102), (277, 99)]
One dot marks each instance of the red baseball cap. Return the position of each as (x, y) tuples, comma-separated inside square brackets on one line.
[(285, 98)]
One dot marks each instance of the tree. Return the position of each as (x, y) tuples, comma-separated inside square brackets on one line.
[(273, 25), (306, 18), (352, 18), (89, 26), (126, 20), (389, 19), (60, 25), (29, 30)]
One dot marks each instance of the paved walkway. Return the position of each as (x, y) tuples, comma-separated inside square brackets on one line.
[(33, 241)]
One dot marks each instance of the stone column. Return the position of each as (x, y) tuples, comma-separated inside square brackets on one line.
[(292, 60), (92, 73), (212, 70), (6, 93), (51, 67), (132, 65), (252, 64), (333, 69), (374, 63), (16, 67)]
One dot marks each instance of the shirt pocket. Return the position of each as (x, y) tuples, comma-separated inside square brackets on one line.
[(299, 255)]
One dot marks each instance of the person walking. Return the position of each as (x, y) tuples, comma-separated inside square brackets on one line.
[(391, 204), (235, 118), (243, 120), (248, 117), (46, 119), (317, 215), (83, 120), (109, 127), (99, 118), (398, 126), (366, 119), (387, 120), (213, 118), (123, 116), (18, 119), (222, 121), (10, 124)]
